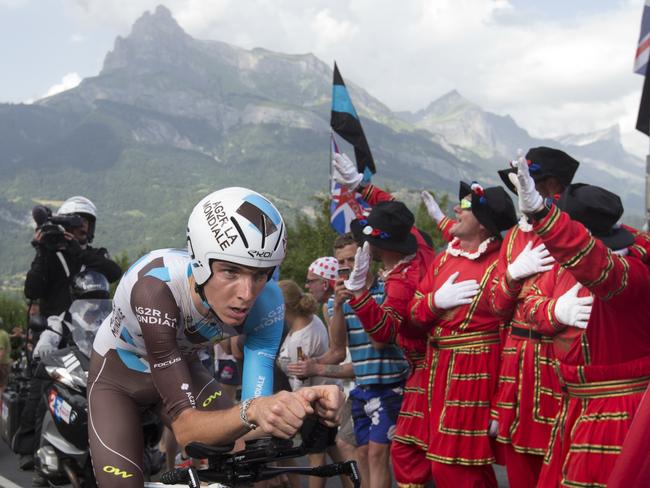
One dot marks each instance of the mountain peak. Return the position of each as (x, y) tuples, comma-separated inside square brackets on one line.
[(154, 35), (160, 22), (610, 134), (448, 103)]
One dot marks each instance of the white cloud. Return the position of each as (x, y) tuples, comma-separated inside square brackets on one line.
[(557, 74), (331, 31), (12, 3), (69, 81), (77, 38)]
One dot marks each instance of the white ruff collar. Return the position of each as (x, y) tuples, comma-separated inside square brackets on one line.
[(407, 259), (457, 251), (523, 224)]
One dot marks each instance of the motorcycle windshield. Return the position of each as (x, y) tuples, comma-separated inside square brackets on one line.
[(87, 316)]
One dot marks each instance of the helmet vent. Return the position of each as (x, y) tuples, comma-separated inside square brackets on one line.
[(279, 238), (241, 232), (263, 229)]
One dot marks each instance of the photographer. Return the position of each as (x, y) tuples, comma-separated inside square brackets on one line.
[(63, 248), (62, 252)]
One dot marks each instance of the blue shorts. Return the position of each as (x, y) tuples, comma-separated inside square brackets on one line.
[(374, 412)]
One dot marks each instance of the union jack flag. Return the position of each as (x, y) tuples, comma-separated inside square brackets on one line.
[(643, 47), (345, 205)]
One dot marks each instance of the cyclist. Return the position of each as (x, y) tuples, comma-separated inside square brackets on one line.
[(169, 304)]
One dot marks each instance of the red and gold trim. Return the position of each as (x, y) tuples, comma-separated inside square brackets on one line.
[(445, 224), (460, 460), (576, 258), (359, 302), (470, 339), (607, 389), (511, 242), (477, 299), (547, 223), (626, 270), (409, 439)]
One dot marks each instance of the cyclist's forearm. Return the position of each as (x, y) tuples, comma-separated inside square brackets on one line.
[(209, 427)]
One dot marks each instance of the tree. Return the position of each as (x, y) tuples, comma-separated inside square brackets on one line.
[(308, 239), (428, 225), (13, 312)]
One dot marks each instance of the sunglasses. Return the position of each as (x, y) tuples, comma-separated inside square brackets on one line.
[(314, 280), (465, 204)]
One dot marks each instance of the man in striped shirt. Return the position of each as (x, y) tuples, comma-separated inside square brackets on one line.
[(379, 372)]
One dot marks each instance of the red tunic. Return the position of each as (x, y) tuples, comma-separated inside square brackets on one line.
[(604, 369), (641, 246), (633, 465), (383, 323), (463, 360), (528, 395)]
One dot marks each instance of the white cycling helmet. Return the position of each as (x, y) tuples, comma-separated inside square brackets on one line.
[(84, 207), (236, 225)]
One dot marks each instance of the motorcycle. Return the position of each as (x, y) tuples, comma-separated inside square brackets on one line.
[(63, 456), (13, 399)]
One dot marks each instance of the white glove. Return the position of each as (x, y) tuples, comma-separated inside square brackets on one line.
[(433, 209), (345, 172), (451, 294), (47, 343), (530, 262), (357, 279), (530, 200), (493, 428), (572, 310)]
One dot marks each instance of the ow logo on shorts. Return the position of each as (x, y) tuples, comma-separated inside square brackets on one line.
[(116, 471), (209, 400)]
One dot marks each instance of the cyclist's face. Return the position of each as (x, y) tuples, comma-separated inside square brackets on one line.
[(232, 289)]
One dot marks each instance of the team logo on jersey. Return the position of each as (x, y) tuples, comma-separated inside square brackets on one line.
[(116, 321), (212, 397), (116, 471), (166, 364)]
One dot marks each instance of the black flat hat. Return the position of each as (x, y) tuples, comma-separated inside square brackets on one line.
[(545, 162), (493, 209), (598, 210), (388, 227)]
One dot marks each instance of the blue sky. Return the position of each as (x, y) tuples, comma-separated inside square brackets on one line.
[(556, 66)]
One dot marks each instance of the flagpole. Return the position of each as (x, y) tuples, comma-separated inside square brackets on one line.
[(647, 192), (329, 190)]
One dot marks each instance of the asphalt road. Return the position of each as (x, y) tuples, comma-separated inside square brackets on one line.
[(9, 470)]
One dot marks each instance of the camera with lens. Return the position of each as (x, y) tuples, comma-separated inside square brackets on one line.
[(52, 227)]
